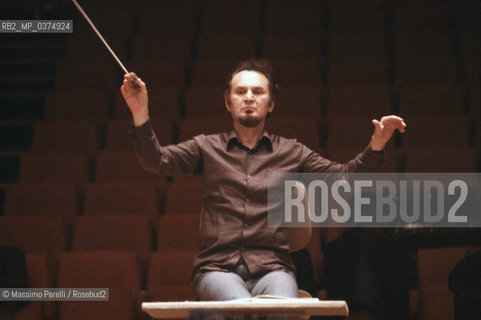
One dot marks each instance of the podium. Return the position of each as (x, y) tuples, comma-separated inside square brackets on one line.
[(262, 305)]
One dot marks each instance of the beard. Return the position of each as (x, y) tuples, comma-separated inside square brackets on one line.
[(250, 120)]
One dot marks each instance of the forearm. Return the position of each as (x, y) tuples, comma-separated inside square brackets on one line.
[(182, 158), (367, 160)]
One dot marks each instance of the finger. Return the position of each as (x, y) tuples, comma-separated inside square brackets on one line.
[(392, 117), (131, 78), (124, 88), (394, 122), (377, 125)]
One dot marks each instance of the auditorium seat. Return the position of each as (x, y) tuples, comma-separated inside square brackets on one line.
[(66, 167), (189, 128), (237, 46), (441, 159), (306, 45), (368, 17), (434, 267), (82, 103), (359, 100), (424, 42), (467, 28), (160, 74), (117, 271), (432, 69), (66, 136), (356, 43), (284, 16), (168, 276), (352, 70), (161, 47), (206, 102), (103, 13), (305, 130), (38, 277), (303, 102), (178, 232), (113, 233), (122, 198), (166, 17), (439, 131), (102, 74), (178, 190), (59, 200), (217, 18), (211, 73), (83, 44), (350, 132), (35, 234), (123, 166), (422, 28), (431, 100), (163, 104), (118, 137), (297, 72)]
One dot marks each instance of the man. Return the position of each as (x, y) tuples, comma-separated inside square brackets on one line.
[(239, 255)]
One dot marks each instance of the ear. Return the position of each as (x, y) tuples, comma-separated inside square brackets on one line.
[(227, 104), (271, 107)]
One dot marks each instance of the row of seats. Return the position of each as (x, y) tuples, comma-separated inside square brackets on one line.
[(343, 31), (167, 278), (112, 167), (90, 137), (436, 301), (343, 70), (48, 234), (274, 17), (126, 197), (304, 101)]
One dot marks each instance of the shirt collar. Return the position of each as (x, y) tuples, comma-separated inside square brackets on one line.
[(266, 139)]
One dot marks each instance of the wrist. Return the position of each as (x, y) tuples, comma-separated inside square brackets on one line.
[(377, 146), (140, 119)]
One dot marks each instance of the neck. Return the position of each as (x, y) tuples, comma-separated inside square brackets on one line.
[(249, 136)]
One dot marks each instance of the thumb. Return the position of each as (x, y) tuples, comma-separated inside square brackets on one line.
[(377, 125)]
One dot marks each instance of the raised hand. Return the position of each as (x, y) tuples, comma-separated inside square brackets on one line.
[(384, 129), (136, 98)]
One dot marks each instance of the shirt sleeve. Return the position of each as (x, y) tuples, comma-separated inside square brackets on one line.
[(176, 159), (366, 161)]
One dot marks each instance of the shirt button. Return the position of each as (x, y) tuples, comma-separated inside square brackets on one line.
[(245, 224), (248, 176), (247, 200)]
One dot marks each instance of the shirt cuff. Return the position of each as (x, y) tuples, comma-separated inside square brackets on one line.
[(368, 153), (379, 152), (142, 132)]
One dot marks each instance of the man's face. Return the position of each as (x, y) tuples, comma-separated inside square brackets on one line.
[(249, 98)]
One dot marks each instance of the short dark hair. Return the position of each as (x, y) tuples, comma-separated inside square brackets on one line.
[(263, 66)]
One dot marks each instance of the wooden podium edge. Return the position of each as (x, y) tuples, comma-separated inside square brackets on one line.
[(303, 307)]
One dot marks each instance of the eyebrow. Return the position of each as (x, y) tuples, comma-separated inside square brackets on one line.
[(244, 87)]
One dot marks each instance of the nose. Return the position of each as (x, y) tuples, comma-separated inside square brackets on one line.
[(249, 96)]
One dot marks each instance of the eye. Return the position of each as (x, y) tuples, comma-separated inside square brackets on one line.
[(240, 91)]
